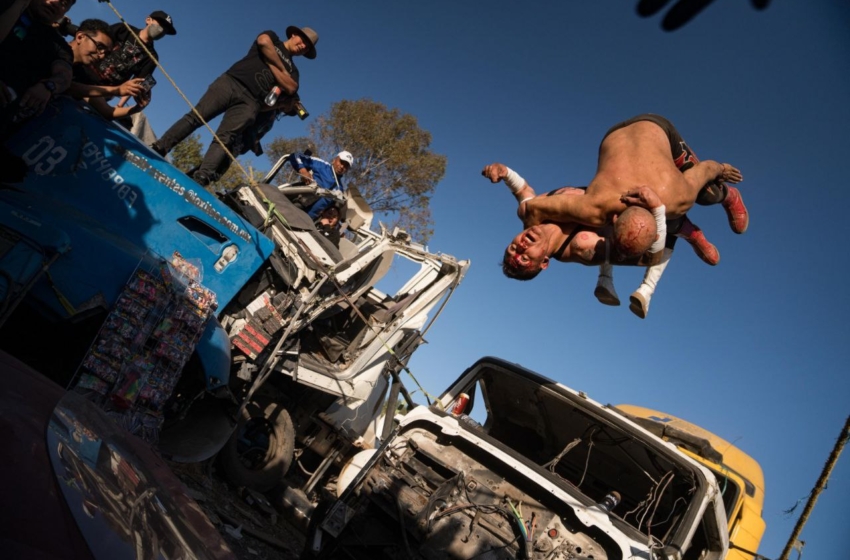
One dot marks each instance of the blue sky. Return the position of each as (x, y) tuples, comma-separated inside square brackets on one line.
[(754, 349)]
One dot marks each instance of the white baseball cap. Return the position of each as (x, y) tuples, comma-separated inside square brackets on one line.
[(346, 157)]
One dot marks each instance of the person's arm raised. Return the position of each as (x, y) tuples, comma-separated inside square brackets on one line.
[(521, 190)]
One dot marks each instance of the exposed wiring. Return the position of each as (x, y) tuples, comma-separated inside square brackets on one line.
[(587, 461), (518, 518), (557, 459), (666, 479), (672, 511)]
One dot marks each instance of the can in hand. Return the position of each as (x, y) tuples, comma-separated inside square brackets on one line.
[(460, 403)]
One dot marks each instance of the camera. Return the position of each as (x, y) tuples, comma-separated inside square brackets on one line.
[(301, 111)]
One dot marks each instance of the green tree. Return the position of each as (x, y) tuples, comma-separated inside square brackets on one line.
[(394, 168), (188, 155)]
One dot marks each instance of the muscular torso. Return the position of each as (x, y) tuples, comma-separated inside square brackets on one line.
[(637, 155)]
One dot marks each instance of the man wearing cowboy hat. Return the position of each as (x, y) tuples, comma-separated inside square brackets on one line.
[(240, 94)]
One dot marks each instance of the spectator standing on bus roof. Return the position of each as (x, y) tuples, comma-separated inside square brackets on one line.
[(241, 94)]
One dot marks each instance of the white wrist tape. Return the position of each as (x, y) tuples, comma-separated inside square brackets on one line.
[(661, 227), (514, 181)]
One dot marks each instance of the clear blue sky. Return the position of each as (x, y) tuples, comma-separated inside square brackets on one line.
[(755, 349)]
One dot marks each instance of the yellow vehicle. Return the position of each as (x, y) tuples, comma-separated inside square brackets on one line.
[(739, 476)]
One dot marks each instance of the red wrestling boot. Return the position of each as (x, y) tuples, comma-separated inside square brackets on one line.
[(691, 233), (739, 219)]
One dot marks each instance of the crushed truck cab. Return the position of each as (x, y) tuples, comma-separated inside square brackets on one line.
[(510, 464)]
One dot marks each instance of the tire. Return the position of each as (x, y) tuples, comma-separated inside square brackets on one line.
[(260, 451)]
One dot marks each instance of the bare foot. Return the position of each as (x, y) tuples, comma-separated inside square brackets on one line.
[(731, 174)]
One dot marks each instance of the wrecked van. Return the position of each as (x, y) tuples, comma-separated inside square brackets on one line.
[(510, 464)]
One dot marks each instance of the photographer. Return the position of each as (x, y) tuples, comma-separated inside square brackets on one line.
[(254, 85), (90, 44)]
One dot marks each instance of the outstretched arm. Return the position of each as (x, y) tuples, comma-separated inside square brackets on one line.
[(111, 112), (587, 210), (302, 164), (130, 88), (521, 190)]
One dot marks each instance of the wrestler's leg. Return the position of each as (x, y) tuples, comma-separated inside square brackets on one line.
[(712, 193), (690, 232), (640, 299), (605, 292)]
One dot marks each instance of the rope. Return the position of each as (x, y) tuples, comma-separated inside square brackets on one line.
[(248, 176)]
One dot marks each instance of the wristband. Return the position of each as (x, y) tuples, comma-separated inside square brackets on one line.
[(514, 181), (660, 227)]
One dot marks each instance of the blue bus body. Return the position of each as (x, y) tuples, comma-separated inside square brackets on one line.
[(118, 201)]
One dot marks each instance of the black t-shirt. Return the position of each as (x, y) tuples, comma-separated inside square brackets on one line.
[(29, 51), (127, 60), (83, 74), (254, 73)]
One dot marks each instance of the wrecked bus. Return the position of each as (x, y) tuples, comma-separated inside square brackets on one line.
[(206, 323)]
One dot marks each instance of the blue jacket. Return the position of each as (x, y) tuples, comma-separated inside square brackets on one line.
[(323, 174)]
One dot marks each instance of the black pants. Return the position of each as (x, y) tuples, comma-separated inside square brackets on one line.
[(225, 95)]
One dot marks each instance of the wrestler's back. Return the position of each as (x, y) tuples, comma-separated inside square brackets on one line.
[(637, 155)]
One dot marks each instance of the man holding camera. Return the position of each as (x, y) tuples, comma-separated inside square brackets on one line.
[(130, 59), (258, 83)]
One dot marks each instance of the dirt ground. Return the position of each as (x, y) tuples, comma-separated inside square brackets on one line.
[(246, 520)]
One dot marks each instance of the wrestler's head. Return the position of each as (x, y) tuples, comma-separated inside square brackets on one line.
[(527, 254), (634, 232)]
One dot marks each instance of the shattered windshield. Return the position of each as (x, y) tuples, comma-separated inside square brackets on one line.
[(580, 449)]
